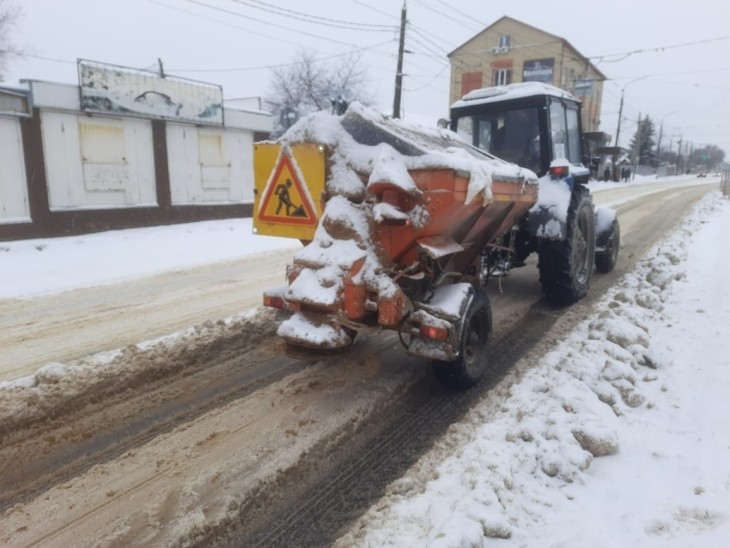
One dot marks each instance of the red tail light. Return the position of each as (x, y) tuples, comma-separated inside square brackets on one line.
[(273, 301), (432, 332), (559, 171)]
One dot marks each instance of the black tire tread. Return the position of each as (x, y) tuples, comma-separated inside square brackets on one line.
[(456, 374), (559, 285)]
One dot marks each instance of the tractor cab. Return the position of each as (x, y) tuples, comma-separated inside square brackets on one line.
[(529, 124)]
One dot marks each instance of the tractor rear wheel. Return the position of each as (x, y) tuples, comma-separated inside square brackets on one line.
[(566, 266), (476, 331)]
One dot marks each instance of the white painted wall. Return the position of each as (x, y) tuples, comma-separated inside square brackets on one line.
[(13, 187), (209, 165), (95, 162)]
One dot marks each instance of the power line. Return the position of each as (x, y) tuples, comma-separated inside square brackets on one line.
[(439, 12), (225, 23), (624, 55), (55, 60), (702, 71), (373, 48), (238, 14), (457, 10), (431, 81), (359, 2), (688, 84), (423, 35), (309, 18), (433, 53), (277, 38), (282, 65)]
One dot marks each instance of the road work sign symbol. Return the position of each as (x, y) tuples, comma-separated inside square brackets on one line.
[(286, 198)]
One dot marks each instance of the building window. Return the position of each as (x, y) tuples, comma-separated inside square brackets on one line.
[(504, 42), (502, 77)]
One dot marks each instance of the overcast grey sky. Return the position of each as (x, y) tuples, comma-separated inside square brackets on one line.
[(671, 58)]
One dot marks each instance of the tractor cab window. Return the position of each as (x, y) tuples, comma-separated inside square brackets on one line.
[(565, 132), (574, 144), (513, 135)]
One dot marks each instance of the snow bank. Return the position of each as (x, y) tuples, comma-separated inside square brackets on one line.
[(524, 455), (30, 268)]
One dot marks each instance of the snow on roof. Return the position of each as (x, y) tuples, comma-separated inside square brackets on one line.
[(509, 92)]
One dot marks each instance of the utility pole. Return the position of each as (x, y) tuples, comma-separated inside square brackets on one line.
[(618, 132), (399, 70), (659, 143), (618, 127), (669, 157), (680, 167)]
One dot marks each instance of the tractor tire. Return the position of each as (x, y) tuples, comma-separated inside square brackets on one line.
[(608, 242), (476, 331), (566, 266)]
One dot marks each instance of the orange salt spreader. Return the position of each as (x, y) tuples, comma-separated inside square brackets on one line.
[(402, 227)]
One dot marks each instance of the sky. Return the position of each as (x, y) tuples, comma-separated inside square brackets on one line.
[(619, 436), (670, 60)]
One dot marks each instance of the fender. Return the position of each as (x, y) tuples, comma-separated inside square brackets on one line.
[(548, 218), (605, 216)]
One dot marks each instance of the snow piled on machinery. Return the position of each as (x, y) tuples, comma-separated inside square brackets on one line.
[(368, 157)]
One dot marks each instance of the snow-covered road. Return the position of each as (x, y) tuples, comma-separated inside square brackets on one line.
[(617, 436)]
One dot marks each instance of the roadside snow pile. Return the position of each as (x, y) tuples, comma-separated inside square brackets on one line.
[(526, 448), (45, 266), (60, 388)]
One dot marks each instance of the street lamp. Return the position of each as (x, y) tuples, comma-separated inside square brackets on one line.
[(618, 127)]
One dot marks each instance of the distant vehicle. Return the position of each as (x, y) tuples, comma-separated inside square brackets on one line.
[(702, 174)]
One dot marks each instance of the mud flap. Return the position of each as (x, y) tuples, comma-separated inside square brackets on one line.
[(605, 217), (444, 310), (313, 330), (608, 239), (543, 222)]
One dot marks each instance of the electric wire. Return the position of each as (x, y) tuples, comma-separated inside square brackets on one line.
[(301, 16), (657, 49), (238, 14), (443, 14)]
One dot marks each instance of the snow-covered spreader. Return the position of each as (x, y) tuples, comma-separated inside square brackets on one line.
[(403, 226)]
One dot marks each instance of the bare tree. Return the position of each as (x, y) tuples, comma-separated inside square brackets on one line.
[(308, 85), (9, 14)]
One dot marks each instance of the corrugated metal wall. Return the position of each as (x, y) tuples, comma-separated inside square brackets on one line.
[(14, 206), (97, 162), (63, 171), (209, 165)]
